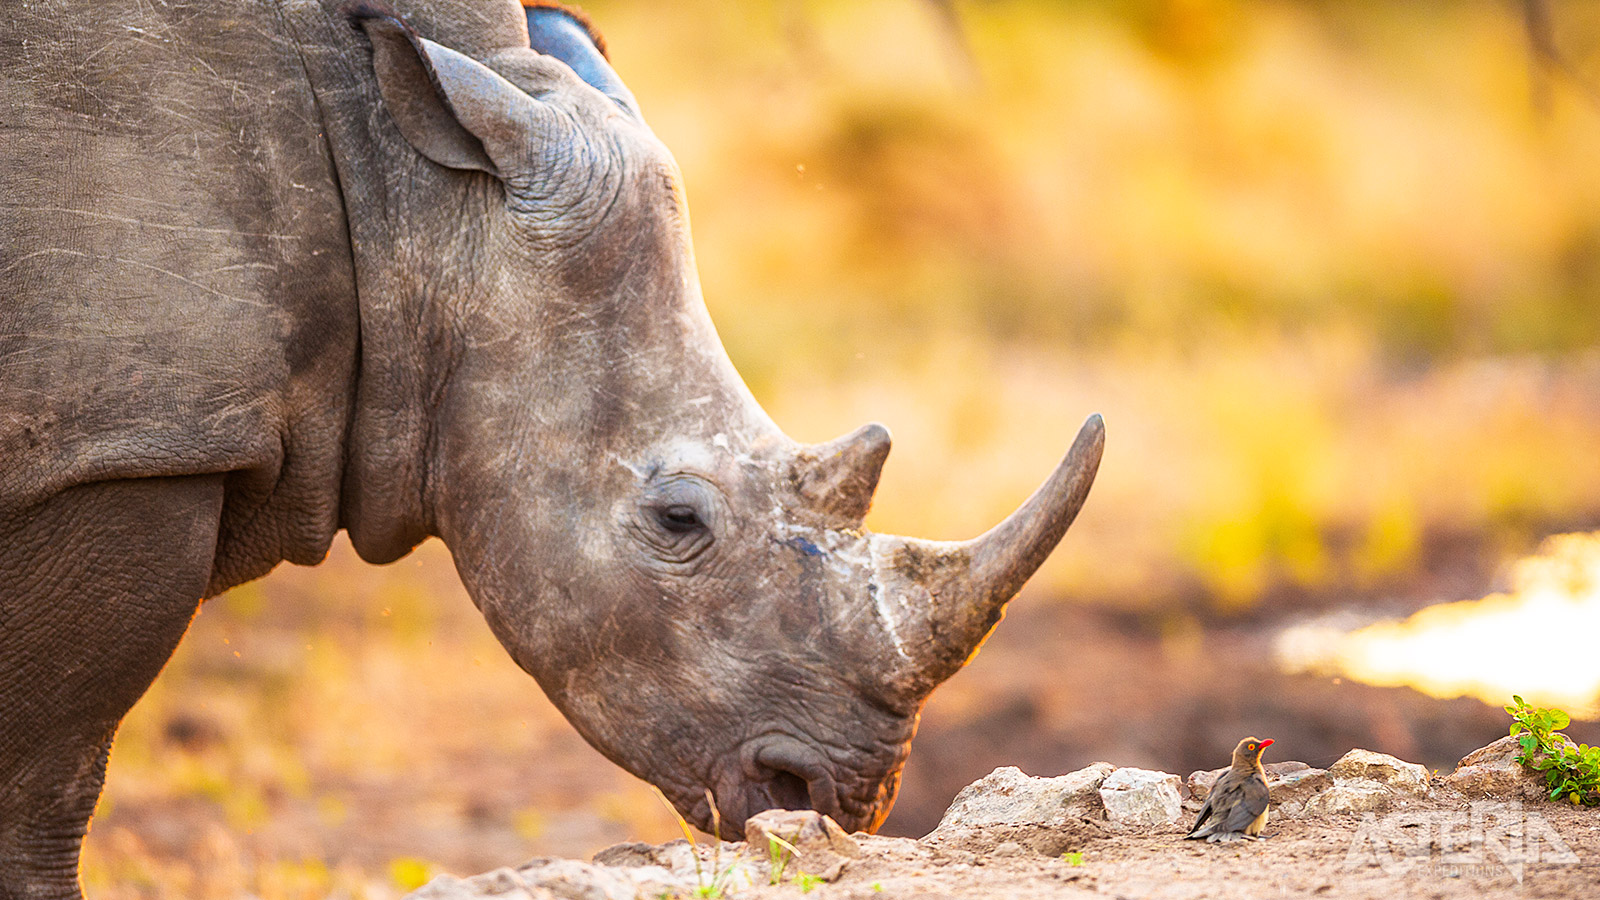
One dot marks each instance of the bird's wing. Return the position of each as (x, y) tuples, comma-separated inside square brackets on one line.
[(1246, 800), (1205, 813)]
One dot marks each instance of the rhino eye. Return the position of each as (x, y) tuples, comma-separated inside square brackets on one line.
[(675, 519), (679, 518)]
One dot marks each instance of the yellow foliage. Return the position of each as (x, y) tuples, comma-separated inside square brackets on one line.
[(408, 874)]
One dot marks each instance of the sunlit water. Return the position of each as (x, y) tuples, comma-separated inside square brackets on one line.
[(1542, 640)]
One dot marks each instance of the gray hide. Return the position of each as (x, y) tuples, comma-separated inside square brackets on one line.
[(265, 275)]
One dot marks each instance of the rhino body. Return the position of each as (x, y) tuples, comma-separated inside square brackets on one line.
[(273, 269)]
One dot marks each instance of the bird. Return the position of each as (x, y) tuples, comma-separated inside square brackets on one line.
[(1237, 804)]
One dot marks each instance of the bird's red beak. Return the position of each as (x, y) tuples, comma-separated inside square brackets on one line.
[(1266, 743)]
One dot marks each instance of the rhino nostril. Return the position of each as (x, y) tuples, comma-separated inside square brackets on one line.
[(789, 791), (797, 777)]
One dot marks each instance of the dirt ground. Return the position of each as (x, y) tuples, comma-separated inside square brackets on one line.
[(1432, 850)]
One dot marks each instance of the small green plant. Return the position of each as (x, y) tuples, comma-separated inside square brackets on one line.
[(807, 881), (779, 852), (1073, 857), (1570, 770), (877, 887)]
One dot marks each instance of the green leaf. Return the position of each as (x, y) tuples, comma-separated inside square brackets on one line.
[(1519, 700), (1516, 728), (1559, 719)]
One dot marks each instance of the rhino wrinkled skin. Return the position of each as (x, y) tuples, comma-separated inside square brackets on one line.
[(276, 268)]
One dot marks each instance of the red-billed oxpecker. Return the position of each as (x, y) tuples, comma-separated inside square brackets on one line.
[(1236, 808)]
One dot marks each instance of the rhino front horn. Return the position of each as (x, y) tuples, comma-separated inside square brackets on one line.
[(945, 597)]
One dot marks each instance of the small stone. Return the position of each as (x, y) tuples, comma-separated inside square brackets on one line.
[(1008, 797), (1493, 771), (1142, 798), (1296, 786), (821, 847), (1045, 816), (1501, 753), (1200, 783), (1395, 774), (633, 853), (1287, 767), (1359, 795)]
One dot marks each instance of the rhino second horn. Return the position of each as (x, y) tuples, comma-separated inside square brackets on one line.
[(946, 596), (837, 479)]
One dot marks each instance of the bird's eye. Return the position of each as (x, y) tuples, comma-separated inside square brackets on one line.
[(1251, 746), (679, 518)]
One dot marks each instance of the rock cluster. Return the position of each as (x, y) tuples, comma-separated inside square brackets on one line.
[(1005, 812)]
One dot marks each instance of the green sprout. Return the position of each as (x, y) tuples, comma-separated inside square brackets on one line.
[(779, 852), (1570, 770)]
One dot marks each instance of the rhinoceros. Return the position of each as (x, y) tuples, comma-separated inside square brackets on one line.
[(279, 268)]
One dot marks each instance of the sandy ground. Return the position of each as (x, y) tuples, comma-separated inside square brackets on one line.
[(1432, 850)]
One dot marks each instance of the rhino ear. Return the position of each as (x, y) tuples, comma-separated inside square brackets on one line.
[(453, 109)]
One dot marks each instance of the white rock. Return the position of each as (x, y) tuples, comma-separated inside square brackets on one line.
[(1008, 797), (819, 846), (1396, 774), (1493, 771), (1142, 798), (1359, 795)]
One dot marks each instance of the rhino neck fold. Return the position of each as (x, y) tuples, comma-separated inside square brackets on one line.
[(382, 503)]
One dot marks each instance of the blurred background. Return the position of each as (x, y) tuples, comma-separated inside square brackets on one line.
[(1331, 271)]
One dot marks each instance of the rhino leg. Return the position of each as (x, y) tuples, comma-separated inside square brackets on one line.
[(97, 585)]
